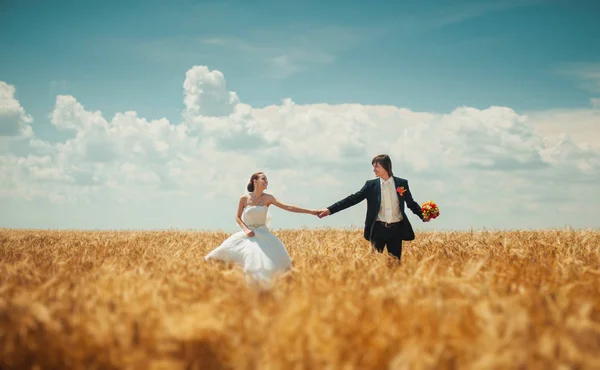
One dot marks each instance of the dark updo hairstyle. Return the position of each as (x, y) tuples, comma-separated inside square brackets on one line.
[(254, 176)]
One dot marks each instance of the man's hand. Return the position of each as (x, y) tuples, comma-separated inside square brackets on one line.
[(324, 213)]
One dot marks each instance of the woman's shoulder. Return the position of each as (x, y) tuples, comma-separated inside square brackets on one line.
[(268, 195)]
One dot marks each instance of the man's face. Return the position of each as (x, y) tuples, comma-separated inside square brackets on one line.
[(378, 170)]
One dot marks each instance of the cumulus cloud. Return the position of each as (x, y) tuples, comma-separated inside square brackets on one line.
[(126, 137), (496, 138), (313, 154), (14, 121), (206, 93), (580, 125)]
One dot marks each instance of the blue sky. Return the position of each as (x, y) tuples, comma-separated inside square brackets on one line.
[(535, 57), (430, 56)]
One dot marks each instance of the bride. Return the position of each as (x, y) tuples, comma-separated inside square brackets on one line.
[(261, 254)]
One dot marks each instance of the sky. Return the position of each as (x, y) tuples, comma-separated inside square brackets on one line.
[(154, 114)]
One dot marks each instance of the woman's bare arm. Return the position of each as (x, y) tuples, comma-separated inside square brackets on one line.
[(238, 216), (291, 208)]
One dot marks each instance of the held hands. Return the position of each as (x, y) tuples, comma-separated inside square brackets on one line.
[(320, 212), (249, 233), (323, 212)]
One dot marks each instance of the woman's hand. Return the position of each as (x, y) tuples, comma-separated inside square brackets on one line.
[(249, 232)]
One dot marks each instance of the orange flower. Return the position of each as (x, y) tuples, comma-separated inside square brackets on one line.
[(401, 190)]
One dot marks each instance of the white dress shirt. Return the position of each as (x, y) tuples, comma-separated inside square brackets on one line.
[(389, 210)]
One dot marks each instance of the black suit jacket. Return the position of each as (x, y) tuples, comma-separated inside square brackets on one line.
[(372, 192)]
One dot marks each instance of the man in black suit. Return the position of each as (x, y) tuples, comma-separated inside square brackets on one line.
[(386, 224)]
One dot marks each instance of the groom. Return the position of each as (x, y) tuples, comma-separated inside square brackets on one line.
[(386, 224)]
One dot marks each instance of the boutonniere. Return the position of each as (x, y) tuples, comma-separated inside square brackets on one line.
[(400, 190)]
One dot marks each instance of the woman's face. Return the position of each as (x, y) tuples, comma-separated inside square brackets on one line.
[(261, 182)]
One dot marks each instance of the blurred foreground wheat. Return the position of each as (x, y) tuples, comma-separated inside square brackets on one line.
[(147, 300)]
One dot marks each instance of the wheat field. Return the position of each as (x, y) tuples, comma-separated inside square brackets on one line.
[(148, 300)]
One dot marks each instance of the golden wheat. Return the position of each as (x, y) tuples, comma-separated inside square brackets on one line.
[(148, 300)]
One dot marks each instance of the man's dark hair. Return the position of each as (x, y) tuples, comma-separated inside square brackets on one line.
[(385, 162)]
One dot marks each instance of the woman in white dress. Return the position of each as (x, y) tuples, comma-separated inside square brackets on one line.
[(261, 254)]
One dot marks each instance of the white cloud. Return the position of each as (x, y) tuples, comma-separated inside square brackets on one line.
[(580, 125), (69, 114), (496, 138), (134, 173), (490, 167), (14, 121), (206, 93)]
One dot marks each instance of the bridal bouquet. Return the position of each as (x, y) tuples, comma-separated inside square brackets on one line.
[(430, 210)]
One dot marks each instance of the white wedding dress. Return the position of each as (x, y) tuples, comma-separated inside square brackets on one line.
[(262, 256)]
